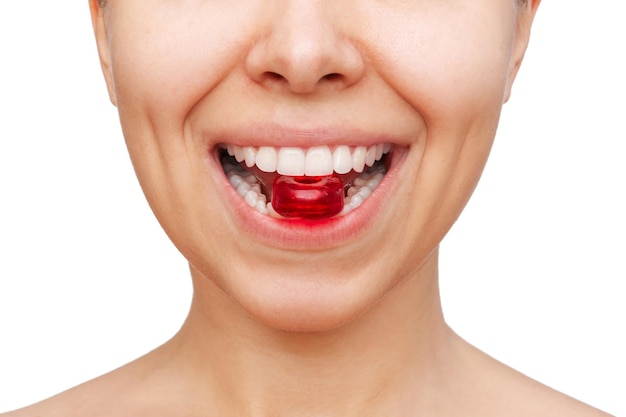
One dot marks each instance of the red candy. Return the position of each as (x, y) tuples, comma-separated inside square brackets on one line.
[(308, 197)]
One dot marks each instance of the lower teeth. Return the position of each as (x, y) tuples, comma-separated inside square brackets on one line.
[(249, 187)]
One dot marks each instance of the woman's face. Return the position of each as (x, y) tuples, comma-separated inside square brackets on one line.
[(424, 80)]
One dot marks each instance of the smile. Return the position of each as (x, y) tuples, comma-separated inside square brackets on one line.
[(253, 171)]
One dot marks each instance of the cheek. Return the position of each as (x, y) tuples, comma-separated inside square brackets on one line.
[(165, 58), (451, 66)]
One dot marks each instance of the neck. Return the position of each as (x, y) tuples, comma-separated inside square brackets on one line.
[(394, 349)]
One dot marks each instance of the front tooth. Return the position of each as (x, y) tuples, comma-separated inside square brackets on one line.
[(239, 156), (358, 158), (370, 156), (249, 154), (380, 149), (316, 161), (290, 161), (319, 161), (266, 159), (342, 160)]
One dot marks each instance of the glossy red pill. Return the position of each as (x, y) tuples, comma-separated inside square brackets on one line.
[(308, 197)]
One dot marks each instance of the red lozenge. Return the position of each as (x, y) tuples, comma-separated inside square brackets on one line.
[(305, 197)]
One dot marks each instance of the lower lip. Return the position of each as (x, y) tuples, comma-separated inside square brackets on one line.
[(302, 234)]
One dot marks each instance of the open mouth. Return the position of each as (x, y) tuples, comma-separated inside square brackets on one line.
[(313, 183)]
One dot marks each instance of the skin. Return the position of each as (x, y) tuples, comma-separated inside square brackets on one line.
[(287, 322)]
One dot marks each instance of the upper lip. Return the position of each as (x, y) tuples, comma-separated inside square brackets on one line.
[(282, 136)]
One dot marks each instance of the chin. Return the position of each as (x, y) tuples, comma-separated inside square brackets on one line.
[(311, 313), (301, 299)]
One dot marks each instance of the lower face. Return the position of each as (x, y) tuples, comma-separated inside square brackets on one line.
[(212, 95)]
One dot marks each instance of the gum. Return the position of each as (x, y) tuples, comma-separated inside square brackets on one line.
[(308, 197)]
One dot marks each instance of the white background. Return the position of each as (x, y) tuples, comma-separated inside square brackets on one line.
[(532, 273)]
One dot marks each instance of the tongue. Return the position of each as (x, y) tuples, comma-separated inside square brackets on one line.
[(305, 197)]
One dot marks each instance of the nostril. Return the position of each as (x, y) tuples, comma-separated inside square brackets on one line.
[(274, 76), (277, 78)]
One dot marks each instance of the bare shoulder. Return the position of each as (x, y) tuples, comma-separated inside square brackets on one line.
[(144, 387), (63, 404), (91, 398), (549, 402), (509, 392)]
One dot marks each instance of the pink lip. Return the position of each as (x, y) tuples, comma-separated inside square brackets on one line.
[(274, 135), (299, 234)]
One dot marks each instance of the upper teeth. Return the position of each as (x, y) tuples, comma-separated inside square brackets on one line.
[(318, 160)]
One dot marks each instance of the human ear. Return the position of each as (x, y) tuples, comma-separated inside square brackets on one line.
[(525, 15), (102, 42)]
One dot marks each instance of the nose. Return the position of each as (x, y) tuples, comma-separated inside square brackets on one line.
[(303, 49)]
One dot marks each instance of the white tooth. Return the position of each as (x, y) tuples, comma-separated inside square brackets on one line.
[(266, 159), (342, 160), (236, 180), (243, 189), (230, 149), (249, 154), (261, 206), (250, 179), (373, 183), (251, 198), (365, 192), (290, 161), (356, 201), (380, 148), (360, 181), (319, 161), (358, 158), (386, 147), (375, 180), (271, 212), (370, 156), (239, 156)]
